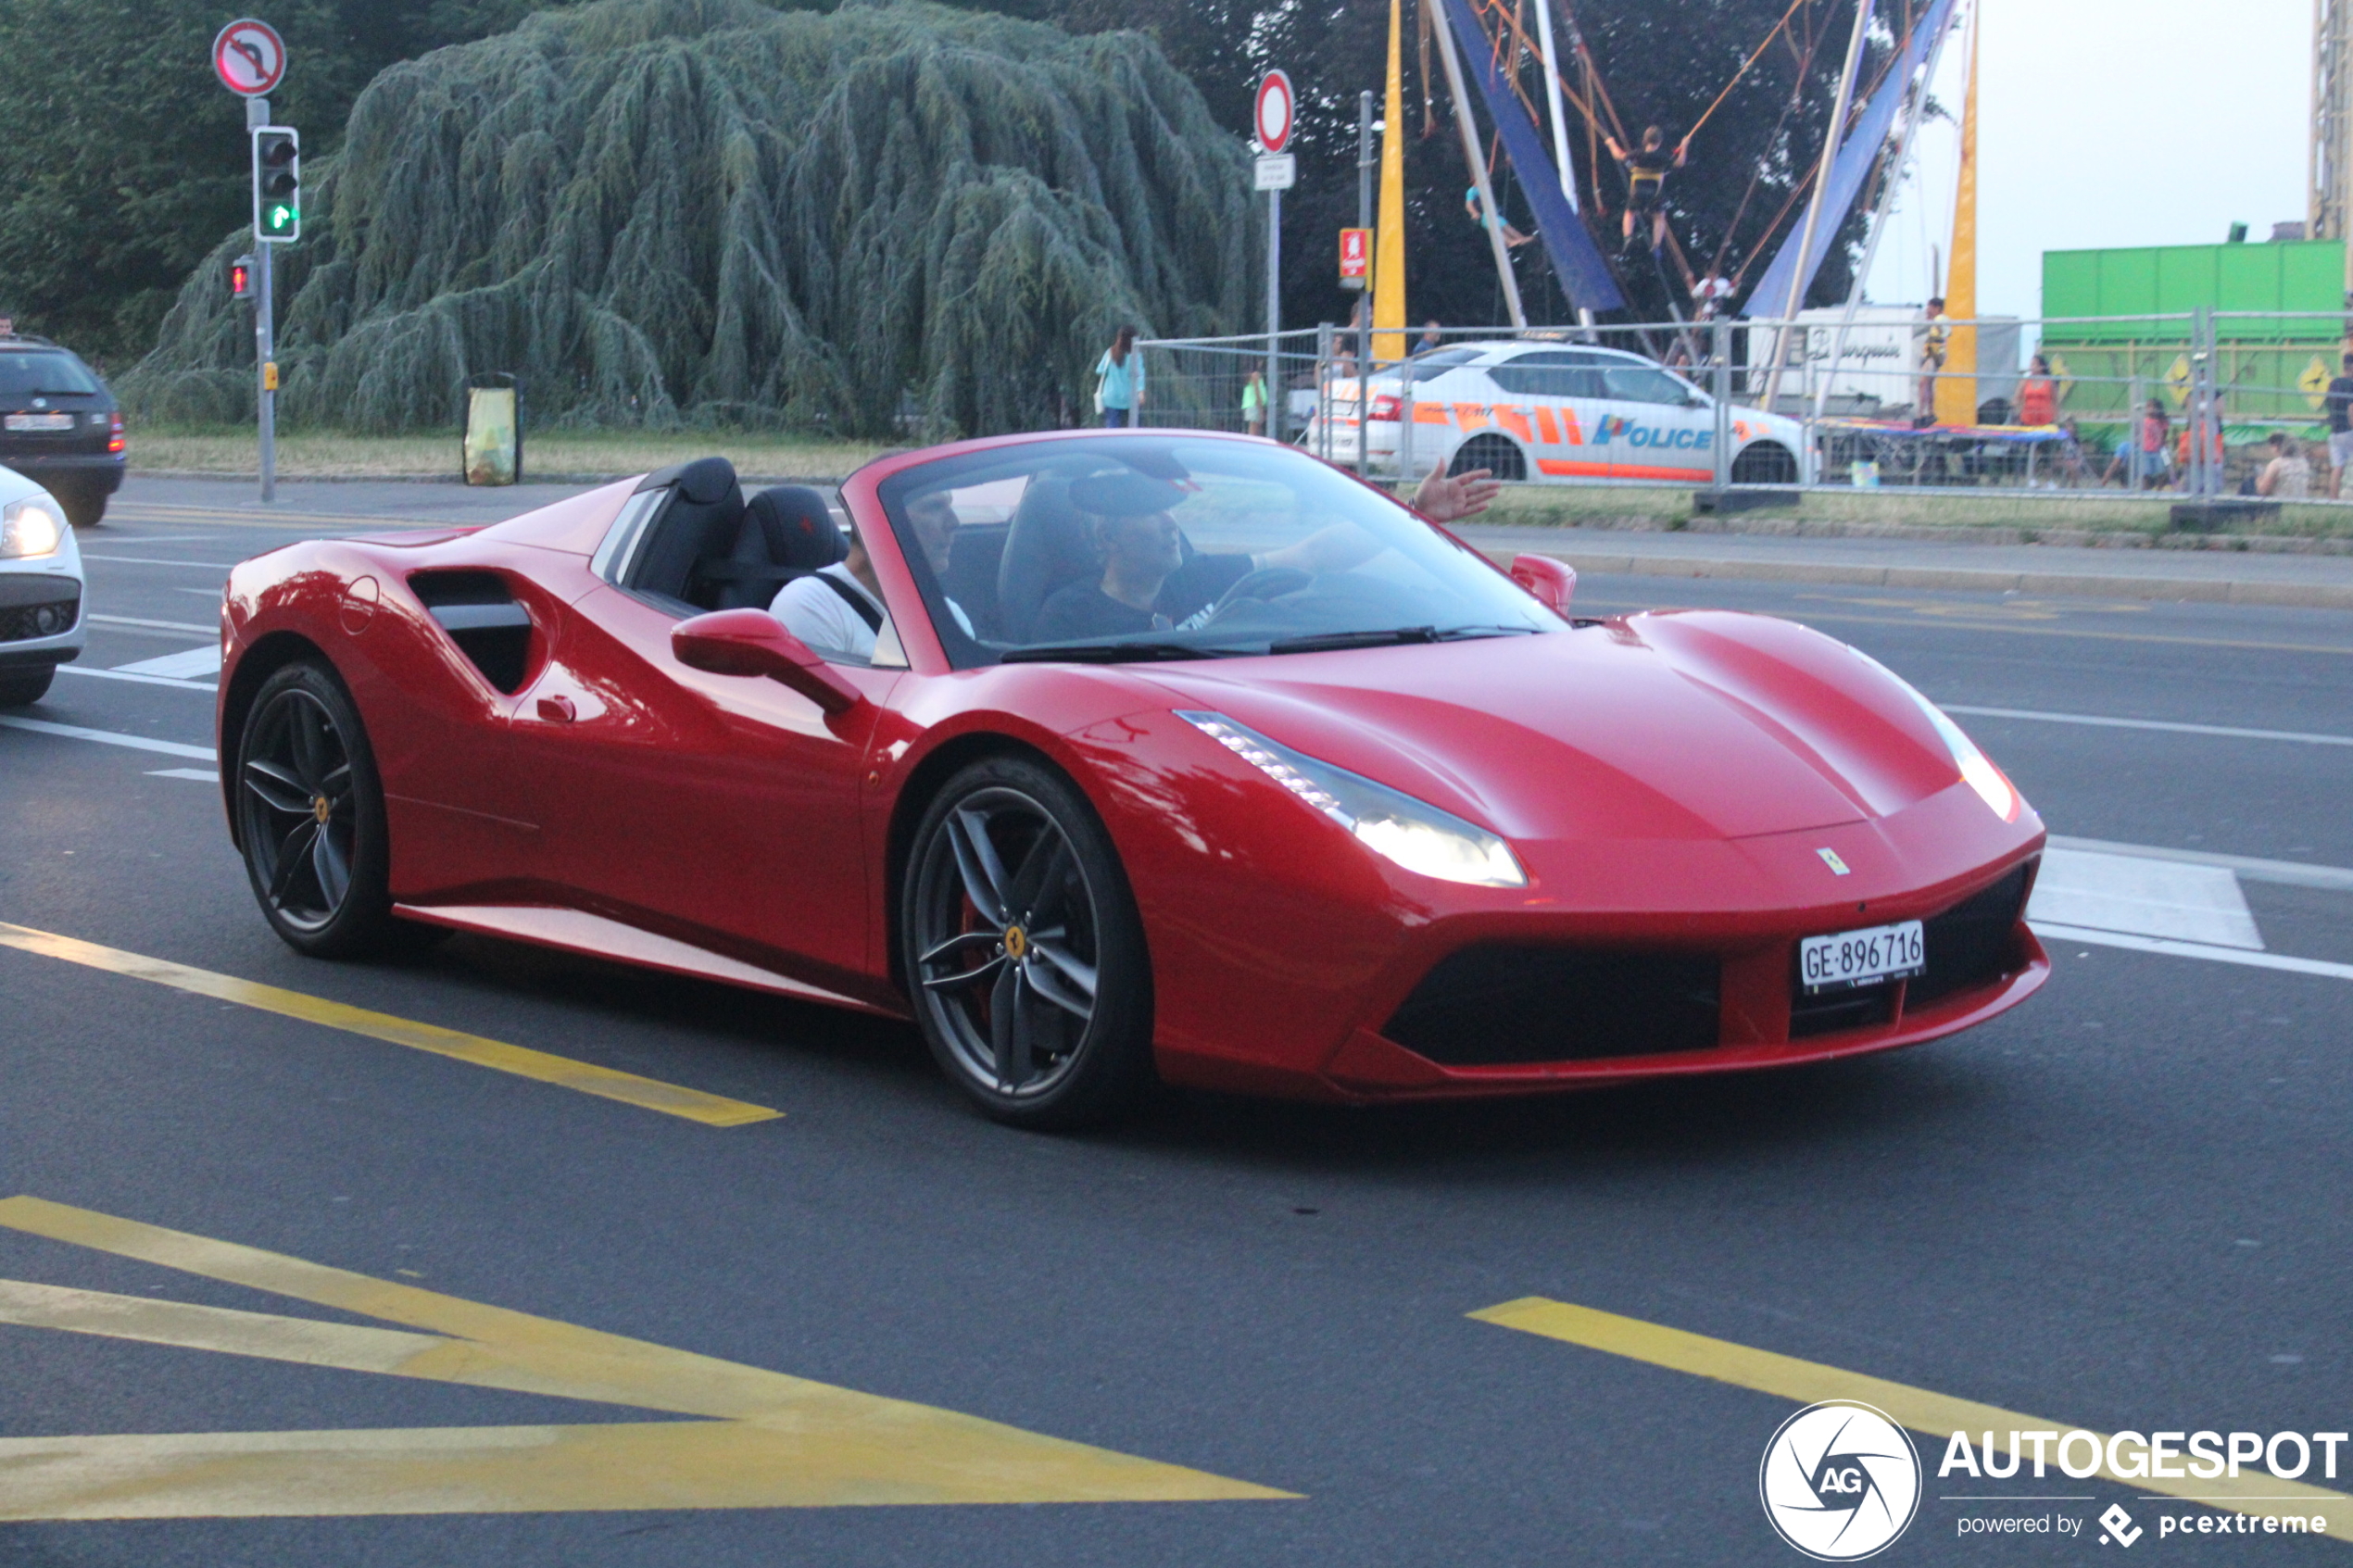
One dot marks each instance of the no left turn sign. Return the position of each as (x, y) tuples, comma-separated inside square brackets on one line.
[(249, 57), (1273, 115)]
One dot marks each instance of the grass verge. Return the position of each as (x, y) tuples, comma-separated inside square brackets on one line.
[(557, 454)]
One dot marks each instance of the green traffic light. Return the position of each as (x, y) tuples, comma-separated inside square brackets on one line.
[(282, 217)]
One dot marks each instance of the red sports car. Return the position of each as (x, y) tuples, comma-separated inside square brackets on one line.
[(1115, 757)]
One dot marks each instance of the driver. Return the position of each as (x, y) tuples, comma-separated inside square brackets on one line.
[(1147, 585)]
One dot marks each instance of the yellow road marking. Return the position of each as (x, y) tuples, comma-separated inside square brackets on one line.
[(648, 1093), (764, 1439), (1935, 1415)]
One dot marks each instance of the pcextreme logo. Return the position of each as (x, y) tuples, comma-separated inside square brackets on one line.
[(1840, 1481)]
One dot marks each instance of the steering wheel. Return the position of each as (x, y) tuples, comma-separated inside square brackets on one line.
[(1267, 583)]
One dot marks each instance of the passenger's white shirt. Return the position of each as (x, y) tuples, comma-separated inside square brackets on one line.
[(821, 618)]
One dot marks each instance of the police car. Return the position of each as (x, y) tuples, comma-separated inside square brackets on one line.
[(1548, 412)]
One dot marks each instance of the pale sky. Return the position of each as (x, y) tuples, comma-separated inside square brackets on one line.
[(2106, 123)]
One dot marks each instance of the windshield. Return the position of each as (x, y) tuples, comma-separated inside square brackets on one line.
[(29, 374), (1168, 547)]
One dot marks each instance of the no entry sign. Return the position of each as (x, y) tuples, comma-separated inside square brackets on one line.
[(249, 57), (1274, 116)]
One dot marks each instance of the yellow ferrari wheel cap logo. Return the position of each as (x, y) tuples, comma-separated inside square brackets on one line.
[(322, 808), (1016, 942)]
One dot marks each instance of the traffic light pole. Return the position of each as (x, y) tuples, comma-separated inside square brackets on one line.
[(265, 327)]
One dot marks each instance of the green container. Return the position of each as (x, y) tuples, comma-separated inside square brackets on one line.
[(2270, 370)]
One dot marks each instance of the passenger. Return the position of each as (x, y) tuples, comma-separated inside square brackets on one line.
[(1646, 169), (1147, 585), (839, 609)]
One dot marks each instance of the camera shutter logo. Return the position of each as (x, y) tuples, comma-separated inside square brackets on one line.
[(1840, 1481)]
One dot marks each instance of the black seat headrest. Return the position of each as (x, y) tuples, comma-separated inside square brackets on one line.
[(1048, 546), (791, 528)]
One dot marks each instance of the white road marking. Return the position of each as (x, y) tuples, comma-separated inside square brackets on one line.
[(183, 666), (200, 775), (2293, 873), (2142, 897), (212, 593), (157, 560), (157, 626), (143, 679), (2300, 737), (2052, 933), (107, 737)]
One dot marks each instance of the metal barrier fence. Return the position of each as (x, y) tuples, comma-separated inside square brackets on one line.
[(1875, 399)]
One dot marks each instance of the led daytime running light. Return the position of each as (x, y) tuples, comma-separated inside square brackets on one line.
[(1977, 770), (1406, 831)]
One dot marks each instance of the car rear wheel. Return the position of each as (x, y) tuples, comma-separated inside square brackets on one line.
[(310, 817), (1496, 454), (1023, 951), (1765, 462), (83, 506), (28, 685)]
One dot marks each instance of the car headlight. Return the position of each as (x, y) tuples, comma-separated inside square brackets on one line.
[(28, 528), (1977, 770), (1412, 833)]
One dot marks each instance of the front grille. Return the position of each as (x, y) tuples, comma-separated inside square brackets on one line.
[(1833, 1010), (51, 615), (1495, 1004), (1969, 944)]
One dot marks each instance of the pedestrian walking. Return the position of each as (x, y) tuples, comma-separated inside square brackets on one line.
[(2288, 476), (1935, 343), (2340, 409), (2038, 394), (1254, 401), (1119, 389)]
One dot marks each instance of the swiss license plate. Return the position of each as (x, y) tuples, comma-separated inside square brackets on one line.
[(1861, 957), (40, 421)]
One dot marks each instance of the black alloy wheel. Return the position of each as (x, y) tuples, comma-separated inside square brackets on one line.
[(310, 817), (84, 505), (1023, 951), (1497, 453)]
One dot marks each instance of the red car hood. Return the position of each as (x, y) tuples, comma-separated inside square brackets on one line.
[(1692, 725)]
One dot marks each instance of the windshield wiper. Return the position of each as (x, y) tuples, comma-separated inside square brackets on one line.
[(1391, 636), (1112, 653)]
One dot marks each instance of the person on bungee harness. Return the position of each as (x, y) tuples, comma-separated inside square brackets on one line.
[(1646, 167)]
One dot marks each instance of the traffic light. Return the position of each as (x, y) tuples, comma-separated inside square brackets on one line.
[(277, 184), (240, 277)]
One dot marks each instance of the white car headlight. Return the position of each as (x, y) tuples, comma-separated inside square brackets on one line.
[(1411, 832), (1976, 770), (28, 528)]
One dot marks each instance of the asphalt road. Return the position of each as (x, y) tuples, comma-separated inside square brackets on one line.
[(2120, 1207)]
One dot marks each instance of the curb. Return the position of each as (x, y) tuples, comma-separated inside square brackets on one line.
[(2308, 595)]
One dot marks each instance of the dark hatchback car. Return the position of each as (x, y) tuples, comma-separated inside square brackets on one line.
[(59, 426)]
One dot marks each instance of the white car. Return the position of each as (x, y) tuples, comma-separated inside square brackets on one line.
[(41, 586), (1551, 411)]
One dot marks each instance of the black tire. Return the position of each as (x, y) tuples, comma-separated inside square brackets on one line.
[(25, 684), (310, 818), (1010, 1018), (83, 507), (1765, 462), (1499, 454)]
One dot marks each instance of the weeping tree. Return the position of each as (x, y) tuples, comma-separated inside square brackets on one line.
[(712, 211)]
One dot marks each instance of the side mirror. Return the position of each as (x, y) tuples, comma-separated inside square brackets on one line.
[(752, 642), (1552, 582)]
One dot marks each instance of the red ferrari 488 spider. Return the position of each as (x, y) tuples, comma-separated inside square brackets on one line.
[(1113, 757)]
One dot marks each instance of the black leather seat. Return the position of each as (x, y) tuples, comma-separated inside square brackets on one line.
[(699, 523), (1049, 545), (787, 531)]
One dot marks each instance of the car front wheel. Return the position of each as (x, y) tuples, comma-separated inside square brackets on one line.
[(310, 817), (26, 684), (1023, 951)]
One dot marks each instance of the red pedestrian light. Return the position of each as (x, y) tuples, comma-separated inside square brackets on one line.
[(240, 277)]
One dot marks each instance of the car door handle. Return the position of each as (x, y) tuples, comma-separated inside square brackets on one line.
[(556, 710)]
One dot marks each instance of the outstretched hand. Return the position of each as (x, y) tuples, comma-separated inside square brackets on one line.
[(1450, 497)]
